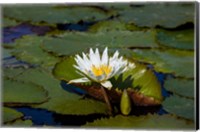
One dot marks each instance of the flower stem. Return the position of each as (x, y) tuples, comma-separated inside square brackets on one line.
[(107, 100)]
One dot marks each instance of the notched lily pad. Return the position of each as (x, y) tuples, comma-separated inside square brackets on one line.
[(54, 14), (148, 94), (60, 101), (20, 93), (181, 87), (28, 49), (149, 121), (180, 63), (180, 106), (183, 39)]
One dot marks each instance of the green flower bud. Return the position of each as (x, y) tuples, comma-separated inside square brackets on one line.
[(125, 104)]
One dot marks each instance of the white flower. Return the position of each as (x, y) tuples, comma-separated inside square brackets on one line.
[(100, 68)]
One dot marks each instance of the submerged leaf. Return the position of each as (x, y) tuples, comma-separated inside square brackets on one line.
[(180, 106), (166, 122)]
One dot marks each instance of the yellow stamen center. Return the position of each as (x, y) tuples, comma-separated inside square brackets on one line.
[(103, 69)]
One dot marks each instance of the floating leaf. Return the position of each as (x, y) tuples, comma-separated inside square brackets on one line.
[(9, 22), (147, 83), (105, 26), (15, 92), (12, 72), (75, 42), (149, 121), (180, 106), (10, 114), (143, 81), (61, 101), (6, 52), (181, 39), (28, 49), (159, 14), (180, 63), (19, 123), (54, 14), (180, 86)]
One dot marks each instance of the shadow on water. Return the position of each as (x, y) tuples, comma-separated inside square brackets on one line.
[(42, 117)]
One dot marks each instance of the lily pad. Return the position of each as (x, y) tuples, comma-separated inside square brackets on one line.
[(180, 39), (159, 14), (10, 114), (61, 101), (28, 49), (180, 106), (180, 63), (140, 79), (73, 43), (19, 123), (12, 72), (149, 121), (105, 26), (9, 22), (19, 93), (180, 86), (54, 14)]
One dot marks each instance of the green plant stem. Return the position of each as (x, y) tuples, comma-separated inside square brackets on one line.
[(107, 100)]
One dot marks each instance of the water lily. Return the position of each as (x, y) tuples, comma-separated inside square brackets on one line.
[(100, 69)]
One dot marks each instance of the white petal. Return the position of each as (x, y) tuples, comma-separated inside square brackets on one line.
[(93, 58), (105, 57), (97, 56), (80, 80), (107, 84)]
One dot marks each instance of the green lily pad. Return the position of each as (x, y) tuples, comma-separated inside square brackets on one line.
[(28, 49), (159, 14), (180, 63), (61, 101), (145, 83), (19, 123), (10, 114), (180, 106), (9, 22), (149, 121), (12, 72), (180, 86), (54, 14), (181, 39), (112, 25), (16, 92), (75, 42), (142, 80)]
